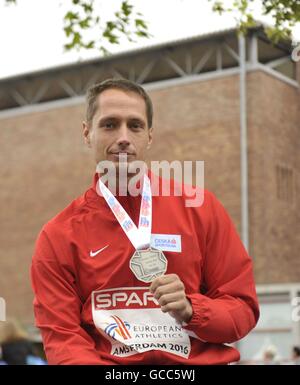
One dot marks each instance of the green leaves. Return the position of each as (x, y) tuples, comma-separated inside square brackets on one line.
[(285, 13), (85, 23), (218, 7), (77, 20), (84, 17), (140, 23), (126, 8)]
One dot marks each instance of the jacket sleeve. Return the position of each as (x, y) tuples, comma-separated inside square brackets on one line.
[(57, 308), (228, 309)]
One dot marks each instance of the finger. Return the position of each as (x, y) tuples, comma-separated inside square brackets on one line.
[(173, 297), (173, 287), (175, 307), (163, 280)]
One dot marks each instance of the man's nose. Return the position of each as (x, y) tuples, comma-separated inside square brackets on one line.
[(123, 137)]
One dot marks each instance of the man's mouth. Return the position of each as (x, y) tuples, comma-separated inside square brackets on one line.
[(122, 153), (122, 156)]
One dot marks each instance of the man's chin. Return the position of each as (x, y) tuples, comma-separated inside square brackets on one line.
[(123, 163), (124, 167)]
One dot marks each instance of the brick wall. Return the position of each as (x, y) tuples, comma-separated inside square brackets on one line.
[(274, 143)]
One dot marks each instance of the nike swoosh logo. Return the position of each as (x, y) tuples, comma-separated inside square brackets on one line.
[(94, 253)]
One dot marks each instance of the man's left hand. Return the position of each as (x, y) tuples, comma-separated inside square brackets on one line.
[(169, 291)]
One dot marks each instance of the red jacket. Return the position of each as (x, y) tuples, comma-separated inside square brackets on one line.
[(68, 275)]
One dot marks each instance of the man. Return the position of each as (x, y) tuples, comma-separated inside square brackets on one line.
[(171, 285)]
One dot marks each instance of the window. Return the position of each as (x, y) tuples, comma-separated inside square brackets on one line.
[(285, 183)]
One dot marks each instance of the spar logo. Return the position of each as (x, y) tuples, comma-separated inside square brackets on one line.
[(124, 298), (118, 327)]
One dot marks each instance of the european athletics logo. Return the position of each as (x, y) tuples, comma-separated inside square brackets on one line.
[(120, 327)]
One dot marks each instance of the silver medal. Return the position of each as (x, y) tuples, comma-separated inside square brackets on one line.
[(148, 264)]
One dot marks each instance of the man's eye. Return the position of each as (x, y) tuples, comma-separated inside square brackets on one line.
[(136, 126), (109, 125)]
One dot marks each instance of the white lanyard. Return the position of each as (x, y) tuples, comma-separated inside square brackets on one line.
[(139, 237)]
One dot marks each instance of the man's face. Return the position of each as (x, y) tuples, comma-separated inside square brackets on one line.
[(119, 126)]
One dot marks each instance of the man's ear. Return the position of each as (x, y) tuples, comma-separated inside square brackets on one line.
[(86, 133), (150, 137)]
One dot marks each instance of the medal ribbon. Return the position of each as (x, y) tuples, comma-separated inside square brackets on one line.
[(139, 237)]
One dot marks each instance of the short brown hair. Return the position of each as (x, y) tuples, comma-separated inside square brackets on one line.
[(120, 84)]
